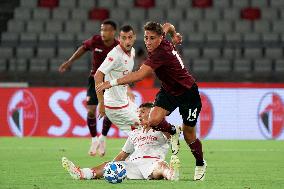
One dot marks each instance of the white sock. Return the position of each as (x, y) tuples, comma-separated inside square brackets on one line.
[(94, 139), (88, 173), (102, 138)]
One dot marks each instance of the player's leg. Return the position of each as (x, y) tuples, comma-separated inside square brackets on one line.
[(82, 173), (102, 138), (92, 102), (190, 107), (163, 170), (164, 105)]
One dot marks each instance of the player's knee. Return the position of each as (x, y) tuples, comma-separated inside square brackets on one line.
[(91, 114), (189, 133)]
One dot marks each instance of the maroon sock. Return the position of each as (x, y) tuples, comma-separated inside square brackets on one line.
[(106, 126), (196, 150), (165, 126), (91, 122)]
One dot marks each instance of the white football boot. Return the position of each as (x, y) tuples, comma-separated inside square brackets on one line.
[(74, 171), (93, 148), (200, 171), (175, 140), (175, 165), (102, 146)]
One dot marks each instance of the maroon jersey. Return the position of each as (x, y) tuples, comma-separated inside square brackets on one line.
[(99, 49), (169, 68)]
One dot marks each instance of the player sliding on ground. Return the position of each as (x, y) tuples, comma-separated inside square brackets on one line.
[(114, 102), (143, 155)]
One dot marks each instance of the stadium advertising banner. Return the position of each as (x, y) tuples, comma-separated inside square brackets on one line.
[(230, 111)]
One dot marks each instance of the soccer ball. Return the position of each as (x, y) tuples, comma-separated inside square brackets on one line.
[(114, 172)]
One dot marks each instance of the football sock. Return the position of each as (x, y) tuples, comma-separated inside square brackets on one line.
[(91, 122), (165, 126), (106, 126), (94, 139), (88, 173), (102, 138), (196, 150)]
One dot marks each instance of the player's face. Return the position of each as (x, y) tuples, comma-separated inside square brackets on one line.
[(127, 39), (143, 115), (152, 40), (107, 32)]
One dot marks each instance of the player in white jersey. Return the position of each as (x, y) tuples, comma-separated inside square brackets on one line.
[(143, 155), (119, 62)]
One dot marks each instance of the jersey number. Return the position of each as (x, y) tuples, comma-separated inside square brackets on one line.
[(175, 53), (192, 114)]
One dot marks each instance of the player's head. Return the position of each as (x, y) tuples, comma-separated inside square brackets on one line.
[(127, 37), (108, 29), (153, 35), (144, 111)]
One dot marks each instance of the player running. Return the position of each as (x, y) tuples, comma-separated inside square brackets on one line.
[(100, 45), (143, 155), (178, 87), (114, 102)]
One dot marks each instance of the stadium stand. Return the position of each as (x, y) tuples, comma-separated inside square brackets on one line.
[(221, 38)]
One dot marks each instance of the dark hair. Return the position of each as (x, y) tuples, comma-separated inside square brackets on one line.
[(110, 22), (147, 105), (126, 28), (155, 27)]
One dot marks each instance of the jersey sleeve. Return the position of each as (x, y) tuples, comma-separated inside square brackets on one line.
[(111, 62), (128, 146), (153, 63), (87, 44)]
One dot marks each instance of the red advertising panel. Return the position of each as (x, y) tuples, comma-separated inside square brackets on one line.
[(54, 112)]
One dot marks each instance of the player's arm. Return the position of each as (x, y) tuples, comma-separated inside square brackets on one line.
[(76, 55), (121, 156), (129, 78), (168, 28), (99, 78)]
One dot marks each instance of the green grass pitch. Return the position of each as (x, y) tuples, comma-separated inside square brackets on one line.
[(35, 163)]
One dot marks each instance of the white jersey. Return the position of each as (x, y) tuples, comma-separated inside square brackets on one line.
[(115, 66), (139, 145)]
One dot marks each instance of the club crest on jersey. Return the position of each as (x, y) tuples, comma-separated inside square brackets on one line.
[(98, 50), (22, 113), (271, 115), (205, 121)]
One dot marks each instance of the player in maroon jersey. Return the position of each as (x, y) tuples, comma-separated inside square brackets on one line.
[(100, 45), (178, 86)]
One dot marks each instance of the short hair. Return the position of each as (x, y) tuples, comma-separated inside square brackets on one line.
[(126, 28), (155, 27), (147, 105), (110, 22)]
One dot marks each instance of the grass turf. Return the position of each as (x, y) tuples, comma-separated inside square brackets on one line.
[(36, 163)]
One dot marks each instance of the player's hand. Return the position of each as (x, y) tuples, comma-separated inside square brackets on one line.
[(102, 86), (63, 67), (177, 39), (101, 108)]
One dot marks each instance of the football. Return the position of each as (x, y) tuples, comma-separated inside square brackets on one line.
[(114, 172)]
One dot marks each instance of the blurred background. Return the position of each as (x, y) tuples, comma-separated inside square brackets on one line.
[(234, 48), (223, 40)]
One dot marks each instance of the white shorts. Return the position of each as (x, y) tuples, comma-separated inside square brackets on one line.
[(140, 169), (125, 117)]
